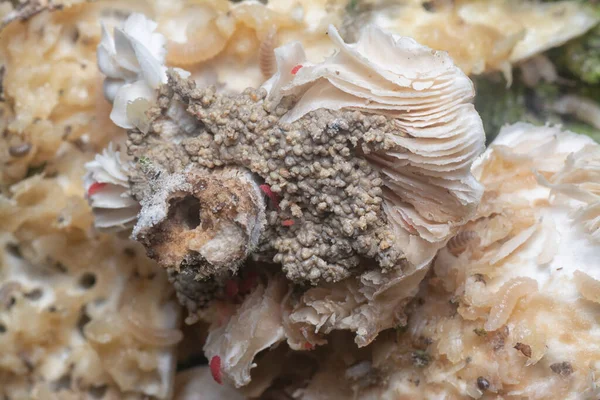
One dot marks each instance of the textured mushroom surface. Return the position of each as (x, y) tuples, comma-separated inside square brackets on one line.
[(424, 165), (483, 36), (73, 300), (348, 175), (209, 219), (389, 181), (313, 213), (330, 231), (510, 308), (107, 188), (522, 321)]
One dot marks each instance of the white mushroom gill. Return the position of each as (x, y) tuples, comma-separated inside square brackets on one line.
[(425, 165), (255, 326), (107, 189), (133, 62), (430, 191)]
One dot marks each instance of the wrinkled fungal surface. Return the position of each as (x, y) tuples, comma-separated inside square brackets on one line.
[(349, 174), (328, 231), (325, 213)]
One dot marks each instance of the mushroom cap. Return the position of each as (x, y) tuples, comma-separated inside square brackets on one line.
[(426, 162), (134, 64), (134, 51)]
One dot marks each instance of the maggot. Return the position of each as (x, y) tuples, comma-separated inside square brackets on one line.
[(459, 243), (266, 54)]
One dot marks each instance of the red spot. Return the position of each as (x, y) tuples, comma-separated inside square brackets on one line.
[(231, 288), (272, 196), (296, 69), (249, 282), (287, 222), (215, 369), (95, 187), (309, 346)]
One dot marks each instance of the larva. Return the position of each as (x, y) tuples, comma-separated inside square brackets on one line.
[(459, 243), (266, 54), (506, 299)]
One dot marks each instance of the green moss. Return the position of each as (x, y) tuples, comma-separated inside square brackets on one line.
[(584, 129), (581, 57), (352, 6), (498, 105)]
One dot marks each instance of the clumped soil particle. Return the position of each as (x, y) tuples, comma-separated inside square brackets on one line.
[(329, 216), (192, 293)]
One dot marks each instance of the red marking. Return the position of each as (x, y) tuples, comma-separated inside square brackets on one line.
[(249, 282), (215, 369), (309, 346), (287, 222), (231, 288), (296, 69), (95, 187), (272, 196)]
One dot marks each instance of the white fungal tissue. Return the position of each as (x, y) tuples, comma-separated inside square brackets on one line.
[(430, 191), (133, 62), (527, 314), (107, 190)]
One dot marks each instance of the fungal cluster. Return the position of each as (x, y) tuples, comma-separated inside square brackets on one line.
[(310, 179), (337, 230), (324, 210), (346, 175)]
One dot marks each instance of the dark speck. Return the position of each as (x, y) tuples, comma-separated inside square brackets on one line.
[(420, 358), (19, 150), (83, 320), (525, 349), (87, 280), (2, 71), (34, 170), (98, 392), (483, 384), (14, 250), (562, 368), (34, 295), (480, 332)]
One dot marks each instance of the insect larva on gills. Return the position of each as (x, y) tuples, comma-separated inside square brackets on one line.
[(505, 300), (459, 243), (266, 53)]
